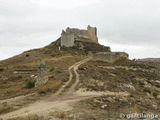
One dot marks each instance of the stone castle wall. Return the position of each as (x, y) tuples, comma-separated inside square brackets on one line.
[(108, 56), (71, 35), (93, 33), (67, 40)]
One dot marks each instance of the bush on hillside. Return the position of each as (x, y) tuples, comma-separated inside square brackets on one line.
[(30, 84), (27, 55), (52, 69), (1, 69)]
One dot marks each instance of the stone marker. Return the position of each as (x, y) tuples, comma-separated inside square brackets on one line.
[(42, 77)]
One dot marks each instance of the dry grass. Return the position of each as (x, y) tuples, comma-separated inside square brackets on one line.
[(51, 86), (5, 108), (71, 82), (13, 85), (29, 117), (56, 115), (141, 85), (62, 115)]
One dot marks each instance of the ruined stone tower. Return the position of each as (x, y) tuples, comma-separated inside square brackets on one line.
[(72, 35), (42, 77)]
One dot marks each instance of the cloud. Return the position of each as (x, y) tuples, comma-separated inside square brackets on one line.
[(62, 4), (36, 23)]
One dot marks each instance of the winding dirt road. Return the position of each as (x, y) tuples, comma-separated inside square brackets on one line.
[(60, 101), (75, 67), (56, 101)]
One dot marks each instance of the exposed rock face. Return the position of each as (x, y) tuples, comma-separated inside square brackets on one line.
[(109, 56), (150, 61), (42, 77), (72, 35)]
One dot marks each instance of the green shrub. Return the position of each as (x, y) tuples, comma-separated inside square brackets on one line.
[(155, 94), (47, 52), (51, 70), (59, 71), (27, 55), (20, 77), (42, 92), (147, 90), (1, 69), (30, 84), (141, 83)]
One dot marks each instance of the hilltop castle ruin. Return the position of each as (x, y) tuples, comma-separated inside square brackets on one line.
[(87, 40), (73, 35)]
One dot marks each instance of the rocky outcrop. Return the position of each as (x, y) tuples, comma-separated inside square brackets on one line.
[(150, 61), (42, 77)]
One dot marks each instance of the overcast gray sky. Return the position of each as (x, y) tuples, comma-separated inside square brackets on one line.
[(131, 26)]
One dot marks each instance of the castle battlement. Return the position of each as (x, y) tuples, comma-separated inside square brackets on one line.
[(72, 35)]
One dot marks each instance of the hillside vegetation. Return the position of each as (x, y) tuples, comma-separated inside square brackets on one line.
[(103, 90)]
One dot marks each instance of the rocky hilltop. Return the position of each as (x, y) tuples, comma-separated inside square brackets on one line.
[(76, 78), (151, 61)]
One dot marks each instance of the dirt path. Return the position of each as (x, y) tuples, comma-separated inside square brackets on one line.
[(52, 103), (67, 83), (60, 104), (58, 101), (74, 69), (76, 73)]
